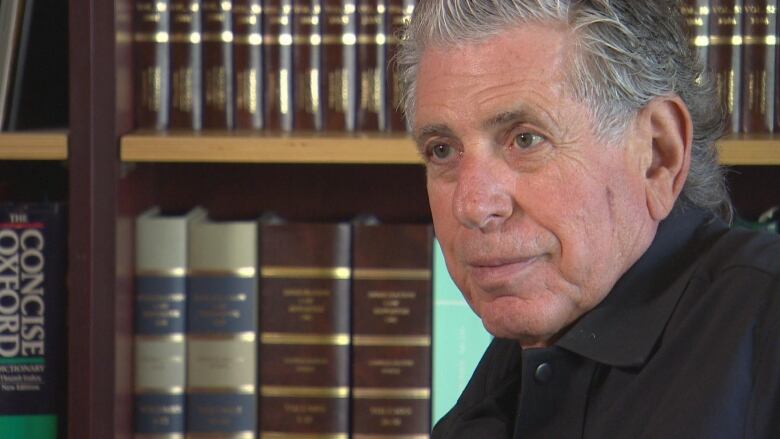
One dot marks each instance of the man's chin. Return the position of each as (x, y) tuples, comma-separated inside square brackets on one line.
[(529, 325)]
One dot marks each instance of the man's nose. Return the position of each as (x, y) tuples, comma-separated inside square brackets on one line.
[(483, 196)]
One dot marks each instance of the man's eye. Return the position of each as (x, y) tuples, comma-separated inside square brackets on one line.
[(527, 140), (441, 151)]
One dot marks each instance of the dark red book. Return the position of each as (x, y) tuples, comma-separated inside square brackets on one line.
[(758, 66), (307, 66), (725, 56), (697, 25), (151, 53), (304, 309), (399, 12), (372, 62), (277, 45), (185, 87), (339, 65), (217, 49), (248, 63), (391, 330)]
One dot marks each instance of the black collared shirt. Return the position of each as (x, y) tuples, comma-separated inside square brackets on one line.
[(686, 345)]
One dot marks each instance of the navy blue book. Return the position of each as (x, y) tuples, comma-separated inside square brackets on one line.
[(32, 321)]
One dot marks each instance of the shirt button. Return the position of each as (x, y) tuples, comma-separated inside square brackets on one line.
[(543, 373)]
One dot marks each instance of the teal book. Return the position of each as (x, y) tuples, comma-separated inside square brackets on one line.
[(459, 339)]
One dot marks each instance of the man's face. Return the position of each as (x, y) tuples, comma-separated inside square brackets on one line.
[(537, 217)]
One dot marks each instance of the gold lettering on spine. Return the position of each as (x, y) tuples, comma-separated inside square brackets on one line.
[(151, 88), (246, 98), (182, 90)]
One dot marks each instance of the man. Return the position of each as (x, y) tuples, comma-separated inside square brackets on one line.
[(575, 191)]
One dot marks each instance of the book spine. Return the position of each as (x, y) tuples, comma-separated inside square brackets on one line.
[(222, 330), (391, 330), (372, 89), (307, 62), (697, 24), (248, 63), (277, 42), (304, 375), (160, 324), (339, 64), (758, 66), (724, 57), (217, 56), (152, 58), (459, 339), (32, 311), (399, 13), (186, 103)]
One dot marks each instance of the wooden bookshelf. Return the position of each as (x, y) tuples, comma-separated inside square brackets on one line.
[(34, 145), (238, 147)]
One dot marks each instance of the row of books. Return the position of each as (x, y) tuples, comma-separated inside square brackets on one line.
[(277, 65), (32, 320), (266, 328), (33, 64), (737, 40)]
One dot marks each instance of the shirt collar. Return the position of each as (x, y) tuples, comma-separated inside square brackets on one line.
[(623, 329)]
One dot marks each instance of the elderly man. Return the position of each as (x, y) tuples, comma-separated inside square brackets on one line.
[(575, 190)]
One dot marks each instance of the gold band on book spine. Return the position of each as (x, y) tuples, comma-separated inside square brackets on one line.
[(245, 389), (175, 337), (768, 40), (157, 37), (305, 339), (245, 272), (304, 392), (373, 340), (729, 40), (390, 274), (176, 297), (278, 435), (191, 38), (391, 393), (279, 272), (169, 272), (235, 336), (251, 39), (171, 390)]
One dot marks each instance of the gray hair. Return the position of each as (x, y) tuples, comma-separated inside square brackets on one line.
[(626, 54)]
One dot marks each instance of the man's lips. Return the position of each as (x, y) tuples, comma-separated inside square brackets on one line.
[(494, 273)]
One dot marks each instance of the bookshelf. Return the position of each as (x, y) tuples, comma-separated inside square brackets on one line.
[(114, 172)]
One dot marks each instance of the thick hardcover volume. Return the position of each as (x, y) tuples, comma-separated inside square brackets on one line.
[(277, 43), (152, 63), (307, 62), (248, 63), (697, 24), (339, 64), (391, 330), (724, 57), (372, 54), (11, 15), (217, 76), (222, 330), (305, 281), (32, 309), (758, 65), (160, 323), (186, 64), (399, 12), (459, 339)]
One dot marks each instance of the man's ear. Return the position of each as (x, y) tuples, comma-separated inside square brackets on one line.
[(671, 130)]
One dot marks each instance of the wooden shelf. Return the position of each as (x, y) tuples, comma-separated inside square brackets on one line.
[(218, 147), (34, 145), (238, 147)]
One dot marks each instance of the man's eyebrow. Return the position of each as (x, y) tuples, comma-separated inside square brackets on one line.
[(436, 129), (517, 115)]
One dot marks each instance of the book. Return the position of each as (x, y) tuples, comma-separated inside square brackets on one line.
[(391, 330), (305, 290), (40, 77), (399, 12), (33, 343), (186, 99), (758, 66), (248, 63), (339, 64), (278, 57), (151, 69), (217, 58), (372, 87), (222, 329), (11, 15), (725, 57), (159, 345), (307, 65), (697, 24), (459, 339)]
